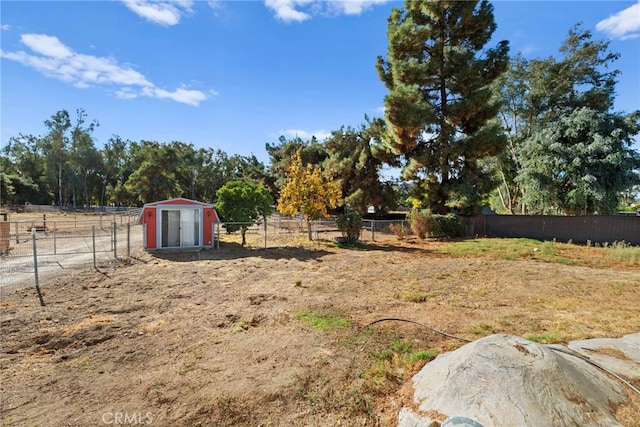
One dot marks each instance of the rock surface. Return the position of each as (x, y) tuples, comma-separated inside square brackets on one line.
[(506, 380), (620, 355)]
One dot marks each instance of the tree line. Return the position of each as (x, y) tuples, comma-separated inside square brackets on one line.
[(467, 124)]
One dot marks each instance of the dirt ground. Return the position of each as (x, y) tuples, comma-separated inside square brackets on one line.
[(227, 338)]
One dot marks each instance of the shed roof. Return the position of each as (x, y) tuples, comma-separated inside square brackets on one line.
[(178, 201)]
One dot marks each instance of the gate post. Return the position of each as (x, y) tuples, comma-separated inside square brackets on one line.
[(115, 240), (35, 265)]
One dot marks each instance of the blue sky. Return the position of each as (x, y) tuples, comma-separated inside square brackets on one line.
[(234, 75)]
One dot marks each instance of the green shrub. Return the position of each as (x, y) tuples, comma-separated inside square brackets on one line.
[(448, 225), (350, 225), (424, 223)]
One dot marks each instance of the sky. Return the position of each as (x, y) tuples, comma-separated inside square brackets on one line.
[(235, 75)]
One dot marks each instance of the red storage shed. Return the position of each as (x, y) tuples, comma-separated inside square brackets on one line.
[(178, 223)]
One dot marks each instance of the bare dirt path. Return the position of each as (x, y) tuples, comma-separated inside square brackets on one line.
[(236, 337)]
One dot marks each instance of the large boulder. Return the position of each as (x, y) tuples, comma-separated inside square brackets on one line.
[(620, 355), (506, 380)]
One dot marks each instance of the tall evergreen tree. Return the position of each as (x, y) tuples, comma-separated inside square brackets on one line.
[(439, 109), (281, 156), (355, 162)]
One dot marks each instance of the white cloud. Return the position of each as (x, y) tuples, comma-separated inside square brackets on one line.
[(184, 96), (46, 45), (160, 12), (5, 27), (624, 24), (354, 7), (320, 135), (53, 59), (215, 4), (302, 10), (286, 9)]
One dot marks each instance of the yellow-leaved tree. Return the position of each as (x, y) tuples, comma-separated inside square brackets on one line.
[(306, 191)]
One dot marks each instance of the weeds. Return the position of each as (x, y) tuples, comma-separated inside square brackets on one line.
[(399, 230), (624, 253)]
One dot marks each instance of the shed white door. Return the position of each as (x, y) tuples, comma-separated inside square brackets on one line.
[(190, 227), (180, 227)]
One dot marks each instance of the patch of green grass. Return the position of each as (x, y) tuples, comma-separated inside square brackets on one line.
[(615, 253), (322, 321), (393, 350), (403, 355), (423, 355), (508, 249), (547, 337), (482, 328), (400, 347)]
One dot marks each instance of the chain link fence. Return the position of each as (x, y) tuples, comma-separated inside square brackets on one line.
[(34, 250), (31, 249), (279, 230)]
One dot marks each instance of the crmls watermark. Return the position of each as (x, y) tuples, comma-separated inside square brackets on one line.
[(127, 418)]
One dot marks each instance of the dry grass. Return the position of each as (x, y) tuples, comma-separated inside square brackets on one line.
[(278, 336)]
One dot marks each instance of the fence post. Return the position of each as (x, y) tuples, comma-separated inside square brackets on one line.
[(128, 240), (93, 238), (55, 246), (17, 235), (373, 230), (264, 218), (115, 240), (35, 265)]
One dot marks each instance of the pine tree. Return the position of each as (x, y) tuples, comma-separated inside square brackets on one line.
[(439, 110)]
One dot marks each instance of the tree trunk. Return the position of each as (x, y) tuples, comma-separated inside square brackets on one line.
[(309, 229), (60, 184)]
